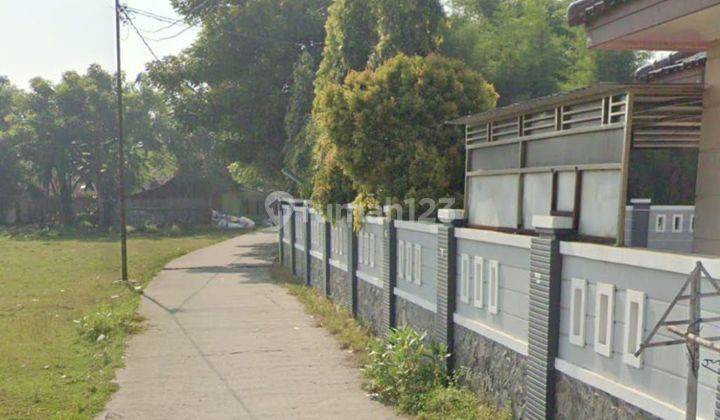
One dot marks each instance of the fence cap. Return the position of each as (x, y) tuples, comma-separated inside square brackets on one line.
[(640, 201), (552, 222), (451, 215)]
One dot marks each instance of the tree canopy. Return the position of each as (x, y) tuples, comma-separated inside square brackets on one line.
[(388, 128)]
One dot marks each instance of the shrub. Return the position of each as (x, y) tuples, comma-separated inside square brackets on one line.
[(404, 367), (456, 403)]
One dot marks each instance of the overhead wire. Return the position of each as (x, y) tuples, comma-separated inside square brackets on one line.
[(137, 31)]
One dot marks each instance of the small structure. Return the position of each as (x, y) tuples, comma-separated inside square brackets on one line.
[(671, 25), (177, 201), (572, 154)]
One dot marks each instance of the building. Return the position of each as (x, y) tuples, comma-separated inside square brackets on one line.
[(574, 154), (675, 25)]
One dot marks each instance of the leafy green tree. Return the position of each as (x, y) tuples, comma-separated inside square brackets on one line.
[(410, 27), (10, 167), (526, 49), (362, 34), (298, 123), (388, 127), (234, 79), (351, 36)]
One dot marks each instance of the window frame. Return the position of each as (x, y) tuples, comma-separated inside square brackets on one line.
[(464, 278), (494, 287), (604, 289), (692, 223), (409, 261), (581, 306), (639, 298), (401, 260), (659, 217), (417, 264), (681, 219), (478, 269)]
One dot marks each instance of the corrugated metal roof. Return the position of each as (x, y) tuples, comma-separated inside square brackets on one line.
[(566, 98)]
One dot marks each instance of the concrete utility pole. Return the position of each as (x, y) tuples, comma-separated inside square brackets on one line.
[(121, 148)]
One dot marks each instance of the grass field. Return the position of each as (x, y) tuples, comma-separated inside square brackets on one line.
[(64, 318)]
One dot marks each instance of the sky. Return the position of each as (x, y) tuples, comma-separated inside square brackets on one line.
[(48, 37)]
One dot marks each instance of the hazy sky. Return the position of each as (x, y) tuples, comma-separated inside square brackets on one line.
[(48, 37)]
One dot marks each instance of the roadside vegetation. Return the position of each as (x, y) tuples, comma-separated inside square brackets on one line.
[(65, 318), (402, 369)]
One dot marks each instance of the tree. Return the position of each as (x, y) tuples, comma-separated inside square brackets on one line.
[(526, 49), (411, 27), (10, 168), (388, 127), (234, 79), (362, 34), (298, 122)]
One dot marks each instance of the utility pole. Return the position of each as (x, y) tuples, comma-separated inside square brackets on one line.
[(121, 149)]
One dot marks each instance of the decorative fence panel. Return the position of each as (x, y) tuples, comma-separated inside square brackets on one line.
[(549, 330)]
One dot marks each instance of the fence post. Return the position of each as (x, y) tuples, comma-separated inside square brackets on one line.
[(291, 220), (389, 251), (326, 257), (544, 314), (639, 222), (281, 228), (307, 243), (443, 329), (352, 262)]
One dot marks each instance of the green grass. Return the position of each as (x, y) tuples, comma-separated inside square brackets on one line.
[(64, 317), (429, 397)]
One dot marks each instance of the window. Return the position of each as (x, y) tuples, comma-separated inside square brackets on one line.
[(634, 326), (493, 286), (677, 223), (417, 265), (372, 250), (408, 261), (692, 223), (604, 307), (660, 223), (478, 280), (577, 312), (401, 260), (464, 280)]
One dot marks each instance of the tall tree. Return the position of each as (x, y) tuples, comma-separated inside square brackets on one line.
[(362, 34), (410, 27), (10, 169), (298, 123), (389, 129), (526, 48), (234, 79)]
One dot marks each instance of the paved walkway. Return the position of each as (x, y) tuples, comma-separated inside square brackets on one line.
[(223, 342)]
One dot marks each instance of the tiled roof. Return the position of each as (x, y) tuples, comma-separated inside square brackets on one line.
[(581, 12), (675, 63)]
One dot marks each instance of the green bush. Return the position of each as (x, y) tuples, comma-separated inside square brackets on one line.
[(404, 367)]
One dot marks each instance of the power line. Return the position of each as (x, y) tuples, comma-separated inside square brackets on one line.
[(137, 31), (173, 22)]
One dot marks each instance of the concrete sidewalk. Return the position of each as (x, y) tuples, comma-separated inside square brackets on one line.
[(223, 342)]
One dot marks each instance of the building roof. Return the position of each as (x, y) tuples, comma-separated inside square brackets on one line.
[(578, 95), (674, 63), (582, 12)]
